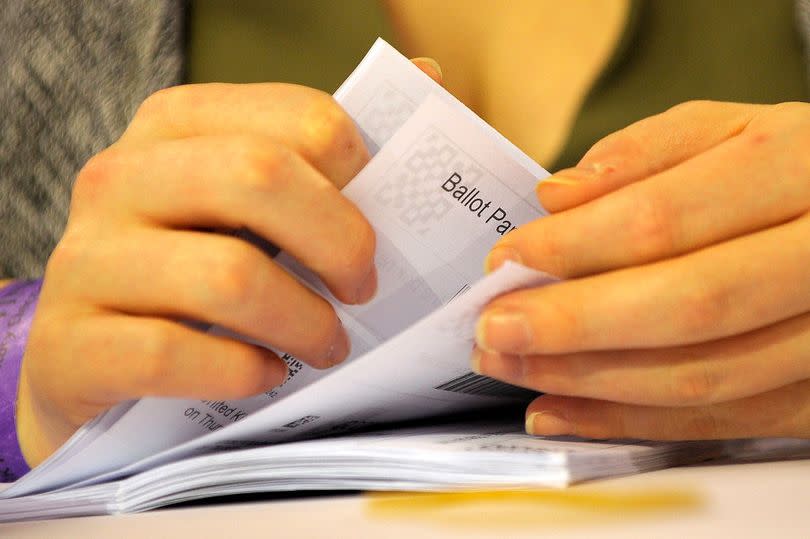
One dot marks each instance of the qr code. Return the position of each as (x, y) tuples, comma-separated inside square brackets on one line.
[(412, 188), (385, 112)]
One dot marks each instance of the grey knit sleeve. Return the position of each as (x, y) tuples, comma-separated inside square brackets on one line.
[(73, 74)]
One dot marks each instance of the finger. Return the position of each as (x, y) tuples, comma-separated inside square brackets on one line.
[(308, 121), (430, 67), (238, 182), (729, 369), (731, 288), (135, 357), (645, 148), (718, 195), (783, 412), (206, 277)]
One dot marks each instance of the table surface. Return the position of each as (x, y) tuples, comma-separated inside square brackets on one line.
[(740, 500)]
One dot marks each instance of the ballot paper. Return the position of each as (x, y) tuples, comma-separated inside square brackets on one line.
[(438, 457), (441, 189)]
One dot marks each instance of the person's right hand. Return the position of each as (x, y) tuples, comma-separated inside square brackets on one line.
[(144, 250)]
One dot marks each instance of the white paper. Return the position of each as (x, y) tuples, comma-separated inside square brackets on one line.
[(439, 195), (449, 456), (386, 88)]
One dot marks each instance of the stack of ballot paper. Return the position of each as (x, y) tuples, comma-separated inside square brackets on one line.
[(442, 187), (468, 455)]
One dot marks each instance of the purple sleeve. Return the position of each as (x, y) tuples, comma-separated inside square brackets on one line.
[(17, 303)]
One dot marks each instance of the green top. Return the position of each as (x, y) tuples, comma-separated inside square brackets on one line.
[(671, 51), (310, 42), (747, 51)]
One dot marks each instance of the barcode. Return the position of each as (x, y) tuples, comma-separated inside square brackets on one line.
[(475, 384)]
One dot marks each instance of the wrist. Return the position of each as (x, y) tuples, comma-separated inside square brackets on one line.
[(17, 304)]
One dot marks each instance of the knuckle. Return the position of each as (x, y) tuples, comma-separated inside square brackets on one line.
[(757, 139), (791, 111), (94, 178), (69, 254), (690, 107), (331, 132), (158, 347), (777, 120), (651, 230), (552, 380), (263, 165), (555, 375), (693, 386), (702, 311), (156, 105), (792, 130), (783, 134), (232, 278), (760, 133), (161, 113), (548, 252), (63, 257), (567, 320)]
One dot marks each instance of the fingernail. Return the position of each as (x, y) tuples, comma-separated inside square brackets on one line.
[(578, 174), (552, 186), (340, 347), (432, 63), (507, 368), (503, 331), (559, 180), (498, 256), (546, 423), (368, 288)]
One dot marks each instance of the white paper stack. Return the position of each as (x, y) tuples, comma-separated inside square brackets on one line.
[(439, 457)]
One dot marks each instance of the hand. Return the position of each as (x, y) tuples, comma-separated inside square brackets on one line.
[(140, 253), (685, 239)]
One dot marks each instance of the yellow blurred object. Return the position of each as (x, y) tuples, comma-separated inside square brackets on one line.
[(523, 508)]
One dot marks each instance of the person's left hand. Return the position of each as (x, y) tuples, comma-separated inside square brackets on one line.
[(685, 239)]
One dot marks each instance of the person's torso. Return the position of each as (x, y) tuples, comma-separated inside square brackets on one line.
[(553, 77)]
